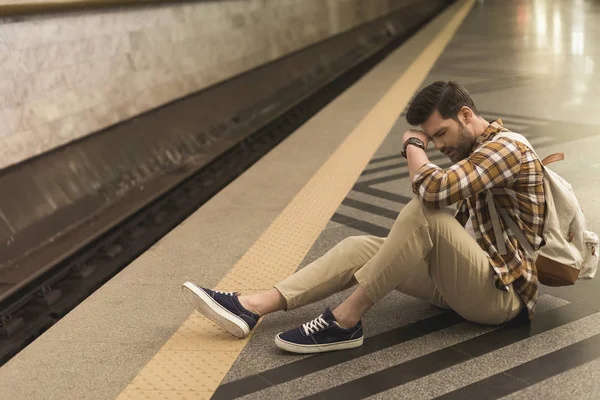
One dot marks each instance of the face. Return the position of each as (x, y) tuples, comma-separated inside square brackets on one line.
[(452, 138)]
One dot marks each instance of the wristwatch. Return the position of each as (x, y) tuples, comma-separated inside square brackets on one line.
[(415, 142)]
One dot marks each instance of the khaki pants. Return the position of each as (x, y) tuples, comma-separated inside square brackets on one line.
[(427, 254)]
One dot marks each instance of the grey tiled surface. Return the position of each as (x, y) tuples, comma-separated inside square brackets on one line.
[(496, 362), (580, 383), (357, 368), (396, 310)]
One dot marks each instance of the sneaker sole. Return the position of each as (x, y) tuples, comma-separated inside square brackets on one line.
[(212, 310), (317, 348)]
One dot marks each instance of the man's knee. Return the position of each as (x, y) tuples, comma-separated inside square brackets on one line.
[(436, 214), (351, 242), (414, 205), (432, 216), (414, 209)]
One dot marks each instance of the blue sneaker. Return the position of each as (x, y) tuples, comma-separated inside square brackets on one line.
[(320, 335), (223, 308)]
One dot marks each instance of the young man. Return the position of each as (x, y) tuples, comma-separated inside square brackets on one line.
[(428, 253)]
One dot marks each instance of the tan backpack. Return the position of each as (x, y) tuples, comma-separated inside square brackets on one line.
[(570, 251)]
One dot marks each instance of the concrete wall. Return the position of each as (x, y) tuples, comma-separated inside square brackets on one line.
[(65, 76)]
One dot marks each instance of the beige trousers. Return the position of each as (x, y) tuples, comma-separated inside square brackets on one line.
[(427, 254)]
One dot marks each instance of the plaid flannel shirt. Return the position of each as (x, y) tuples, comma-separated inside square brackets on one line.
[(513, 174)]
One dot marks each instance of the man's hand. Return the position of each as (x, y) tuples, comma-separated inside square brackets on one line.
[(416, 134)]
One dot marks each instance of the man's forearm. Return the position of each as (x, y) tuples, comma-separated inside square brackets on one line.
[(416, 159)]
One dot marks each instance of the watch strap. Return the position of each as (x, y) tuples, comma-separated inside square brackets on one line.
[(415, 142)]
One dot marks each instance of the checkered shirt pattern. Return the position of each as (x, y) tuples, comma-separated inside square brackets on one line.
[(512, 172)]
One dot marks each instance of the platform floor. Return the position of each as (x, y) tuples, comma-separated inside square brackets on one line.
[(531, 63)]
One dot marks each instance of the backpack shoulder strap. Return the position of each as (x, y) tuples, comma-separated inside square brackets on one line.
[(518, 233), (501, 247), (518, 137)]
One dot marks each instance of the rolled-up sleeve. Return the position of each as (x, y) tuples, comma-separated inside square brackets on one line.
[(494, 163)]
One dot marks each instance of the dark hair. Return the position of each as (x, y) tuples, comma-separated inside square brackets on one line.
[(446, 97)]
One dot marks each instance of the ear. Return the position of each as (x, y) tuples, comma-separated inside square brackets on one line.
[(466, 114)]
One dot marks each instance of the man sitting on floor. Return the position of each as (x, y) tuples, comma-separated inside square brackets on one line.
[(428, 253)]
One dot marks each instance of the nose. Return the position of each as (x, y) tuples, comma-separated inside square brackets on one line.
[(438, 145)]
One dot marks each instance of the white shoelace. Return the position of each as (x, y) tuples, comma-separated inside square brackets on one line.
[(315, 325), (225, 293)]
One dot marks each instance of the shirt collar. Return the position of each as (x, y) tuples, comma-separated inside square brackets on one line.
[(491, 131)]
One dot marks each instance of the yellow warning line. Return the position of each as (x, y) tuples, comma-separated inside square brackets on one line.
[(196, 358)]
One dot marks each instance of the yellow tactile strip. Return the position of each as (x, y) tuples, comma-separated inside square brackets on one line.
[(196, 358)]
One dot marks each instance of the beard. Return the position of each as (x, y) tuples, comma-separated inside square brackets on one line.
[(463, 146)]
